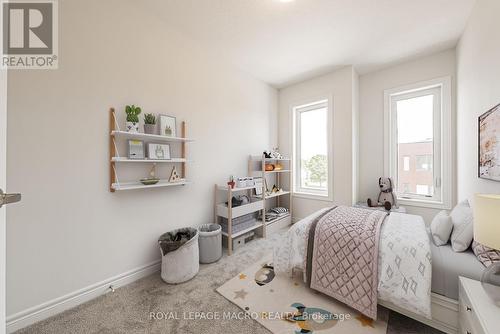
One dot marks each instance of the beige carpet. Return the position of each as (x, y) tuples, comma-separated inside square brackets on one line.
[(285, 305), (128, 309)]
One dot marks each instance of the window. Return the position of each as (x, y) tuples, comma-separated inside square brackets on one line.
[(406, 164), (418, 128), (311, 146), (424, 163), (424, 189)]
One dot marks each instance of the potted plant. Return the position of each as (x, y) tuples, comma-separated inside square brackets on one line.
[(132, 123), (149, 124)]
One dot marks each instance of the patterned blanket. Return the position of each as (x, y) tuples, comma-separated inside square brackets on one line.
[(342, 256), (404, 259)]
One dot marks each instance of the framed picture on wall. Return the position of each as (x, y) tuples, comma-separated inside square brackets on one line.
[(168, 126), (158, 151), (489, 144)]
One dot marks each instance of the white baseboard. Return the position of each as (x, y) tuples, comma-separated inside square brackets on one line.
[(43, 311)]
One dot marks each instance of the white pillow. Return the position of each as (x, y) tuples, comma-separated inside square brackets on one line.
[(463, 232), (441, 228)]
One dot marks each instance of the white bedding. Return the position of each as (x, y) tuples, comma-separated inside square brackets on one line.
[(404, 265)]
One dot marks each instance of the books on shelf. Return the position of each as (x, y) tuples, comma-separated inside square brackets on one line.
[(276, 213)]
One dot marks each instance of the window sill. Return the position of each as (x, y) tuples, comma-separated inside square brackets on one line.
[(313, 197), (424, 204)]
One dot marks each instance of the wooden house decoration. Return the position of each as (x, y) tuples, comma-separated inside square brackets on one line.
[(174, 176)]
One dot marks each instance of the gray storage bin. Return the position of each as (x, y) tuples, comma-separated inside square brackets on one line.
[(179, 250), (210, 242)]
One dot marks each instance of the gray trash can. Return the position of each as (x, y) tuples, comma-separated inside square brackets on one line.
[(210, 242)]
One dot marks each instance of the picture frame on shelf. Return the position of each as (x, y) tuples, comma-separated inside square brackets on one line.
[(489, 144), (158, 151), (168, 126), (135, 149)]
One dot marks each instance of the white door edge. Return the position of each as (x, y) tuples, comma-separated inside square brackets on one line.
[(3, 185)]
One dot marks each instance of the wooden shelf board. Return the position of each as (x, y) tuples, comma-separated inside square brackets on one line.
[(236, 188), (278, 194), (259, 172), (259, 158), (272, 171), (174, 160), (235, 235), (276, 220), (139, 185), (238, 211), (144, 136)]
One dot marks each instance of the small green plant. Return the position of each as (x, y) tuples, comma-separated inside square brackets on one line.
[(149, 119), (132, 113)]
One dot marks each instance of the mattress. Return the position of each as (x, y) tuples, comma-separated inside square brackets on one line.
[(448, 265)]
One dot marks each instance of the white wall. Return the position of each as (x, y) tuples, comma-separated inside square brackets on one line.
[(340, 85), (70, 231), (478, 90), (371, 118), (355, 136)]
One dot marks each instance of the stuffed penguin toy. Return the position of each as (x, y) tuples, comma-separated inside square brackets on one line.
[(386, 196)]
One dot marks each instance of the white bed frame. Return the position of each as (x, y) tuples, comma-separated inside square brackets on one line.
[(444, 313)]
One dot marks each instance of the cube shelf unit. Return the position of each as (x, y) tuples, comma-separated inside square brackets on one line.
[(228, 212), (258, 203), (116, 134), (282, 178)]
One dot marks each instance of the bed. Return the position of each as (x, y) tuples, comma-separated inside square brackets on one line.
[(436, 301), (448, 265)]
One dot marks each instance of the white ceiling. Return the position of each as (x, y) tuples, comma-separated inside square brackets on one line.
[(281, 43)]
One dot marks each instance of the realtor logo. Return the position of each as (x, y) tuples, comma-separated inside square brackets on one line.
[(29, 34)]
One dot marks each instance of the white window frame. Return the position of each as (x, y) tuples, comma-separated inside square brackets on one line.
[(295, 109), (443, 176)]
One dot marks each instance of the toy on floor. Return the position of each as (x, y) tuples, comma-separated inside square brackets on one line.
[(386, 196)]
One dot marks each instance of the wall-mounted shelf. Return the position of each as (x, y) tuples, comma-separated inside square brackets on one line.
[(139, 185), (148, 137), (175, 160), (116, 134)]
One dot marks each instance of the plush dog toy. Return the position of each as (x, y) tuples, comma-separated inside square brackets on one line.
[(386, 197)]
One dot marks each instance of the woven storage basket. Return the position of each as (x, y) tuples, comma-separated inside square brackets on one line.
[(180, 255)]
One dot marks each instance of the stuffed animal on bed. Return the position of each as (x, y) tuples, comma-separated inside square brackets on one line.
[(386, 197)]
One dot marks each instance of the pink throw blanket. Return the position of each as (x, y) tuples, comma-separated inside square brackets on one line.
[(342, 256)]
